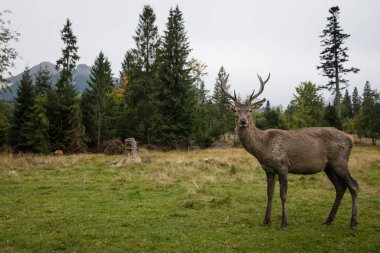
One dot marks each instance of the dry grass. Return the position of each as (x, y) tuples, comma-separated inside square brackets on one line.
[(201, 166), (207, 200)]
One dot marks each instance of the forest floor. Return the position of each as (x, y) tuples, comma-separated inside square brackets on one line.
[(209, 200)]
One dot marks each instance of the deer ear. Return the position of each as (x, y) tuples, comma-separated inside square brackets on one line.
[(228, 107), (258, 104)]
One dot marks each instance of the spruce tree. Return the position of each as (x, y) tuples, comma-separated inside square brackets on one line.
[(175, 125), (23, 114), (125, 125), (53, 113), (334, 56), (139, 71), (218, 96), (331, 117), (146, 39), (347, 106), (356, 102), (65, 89), (39, 124), (42, 81), (369, 118), (75, 136), (127, 66), (68, 62), (224, 120), (98, 94)]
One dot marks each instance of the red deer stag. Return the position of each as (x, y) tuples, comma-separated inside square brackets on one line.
[(301, 151)]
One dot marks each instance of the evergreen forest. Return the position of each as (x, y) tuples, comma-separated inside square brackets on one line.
[(159, 96)]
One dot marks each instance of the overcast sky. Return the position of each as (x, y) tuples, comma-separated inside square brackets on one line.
[(246, 37)]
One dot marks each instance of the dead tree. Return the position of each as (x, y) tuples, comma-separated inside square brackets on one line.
[(130, 153), (301, 151)]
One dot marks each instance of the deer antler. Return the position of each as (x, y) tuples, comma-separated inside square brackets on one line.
[(223, 85), (262, 84)]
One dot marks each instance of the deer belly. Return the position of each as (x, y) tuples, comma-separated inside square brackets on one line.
[(306, 165), (307, 162)]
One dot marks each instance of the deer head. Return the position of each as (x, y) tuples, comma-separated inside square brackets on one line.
[(242, 110)]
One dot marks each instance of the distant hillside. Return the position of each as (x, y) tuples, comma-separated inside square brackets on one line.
[(81, 76)]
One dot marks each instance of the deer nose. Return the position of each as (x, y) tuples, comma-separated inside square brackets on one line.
[(243, 121)]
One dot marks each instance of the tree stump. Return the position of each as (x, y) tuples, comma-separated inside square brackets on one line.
[(130, 153)]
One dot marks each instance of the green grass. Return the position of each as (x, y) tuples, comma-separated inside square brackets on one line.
[(80, 203)]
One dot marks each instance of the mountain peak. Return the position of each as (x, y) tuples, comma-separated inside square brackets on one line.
[(81, 76), (83, 68), (44, 65)]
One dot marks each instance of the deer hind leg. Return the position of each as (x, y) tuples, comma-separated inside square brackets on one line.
[(340, 189), (271, 181), (283, 179), (353, 187)]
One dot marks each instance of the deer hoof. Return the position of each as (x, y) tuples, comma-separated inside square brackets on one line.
[(283, 226), (282, 229), (353, 225), (266, 223), (328, 221)]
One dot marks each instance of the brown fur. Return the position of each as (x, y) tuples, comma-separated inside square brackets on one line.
[(301, 151)]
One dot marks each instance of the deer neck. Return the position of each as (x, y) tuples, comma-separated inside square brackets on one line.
[(253, 140)]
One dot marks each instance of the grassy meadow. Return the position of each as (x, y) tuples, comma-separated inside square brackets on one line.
[(210, 200)]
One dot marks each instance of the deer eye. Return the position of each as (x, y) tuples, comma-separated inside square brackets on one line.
[(250, 110), (235, 110)]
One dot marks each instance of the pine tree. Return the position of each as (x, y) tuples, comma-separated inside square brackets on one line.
[(369, 117), (43, 81), (139, 73), (23, 114), (99, 93), (346, 106), (333, 56), (175, 125), (65, 90), (356, 102)]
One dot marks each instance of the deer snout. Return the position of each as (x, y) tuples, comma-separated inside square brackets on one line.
[(243, 121)]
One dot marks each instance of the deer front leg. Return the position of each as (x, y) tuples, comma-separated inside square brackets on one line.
[(283, 179), (270, 191)]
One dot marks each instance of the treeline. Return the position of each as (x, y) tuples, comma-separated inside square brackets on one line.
[(159, 98), (360, 114)]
